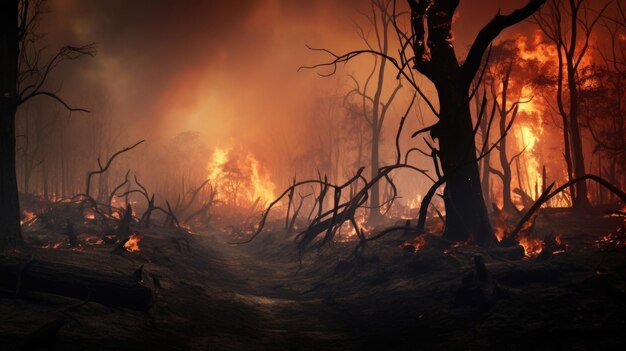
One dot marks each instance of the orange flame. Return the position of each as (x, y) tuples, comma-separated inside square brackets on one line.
[(417, 244), (239, 178), (532, 246), (132, 244), (28, 217), (55, 245)]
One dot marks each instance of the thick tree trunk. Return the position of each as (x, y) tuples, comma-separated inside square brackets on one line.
[(10, 232), (466, 213), (435, 58)]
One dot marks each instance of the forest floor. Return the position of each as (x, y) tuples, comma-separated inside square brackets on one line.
[(216, 296)]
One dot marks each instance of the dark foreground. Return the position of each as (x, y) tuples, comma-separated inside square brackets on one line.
[(215, 296)]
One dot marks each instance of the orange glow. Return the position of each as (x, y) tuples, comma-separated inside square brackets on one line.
[(93, 240), (132, 244), (616, 239), (500, 233), (28, 217), (55, 245), (351, 233), (415, 202), (532, 246), (417, 244), (239, 178), (503, 227)]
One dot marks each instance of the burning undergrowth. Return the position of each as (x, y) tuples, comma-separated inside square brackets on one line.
[(66, 224)]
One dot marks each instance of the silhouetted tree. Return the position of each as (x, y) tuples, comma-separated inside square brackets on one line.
[(434, 57), (506, 78), (375, 106), (23, 76), (568, 25)]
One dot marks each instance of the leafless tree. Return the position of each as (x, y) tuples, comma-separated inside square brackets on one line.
[(25, 74), (375, 106), (428, 50), (569, 24)]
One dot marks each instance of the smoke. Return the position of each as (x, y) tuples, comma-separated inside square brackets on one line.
[(227, 70)]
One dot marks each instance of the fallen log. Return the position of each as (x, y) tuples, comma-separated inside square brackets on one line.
[(20, 275)]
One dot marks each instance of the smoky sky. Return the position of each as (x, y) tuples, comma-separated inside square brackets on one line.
[(228, 69)]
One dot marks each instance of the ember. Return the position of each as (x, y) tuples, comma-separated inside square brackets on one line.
[(28, 218), (532, 246), (132, 244)]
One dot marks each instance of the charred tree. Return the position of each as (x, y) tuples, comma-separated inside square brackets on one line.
[(22, 79), (569, 24), (375, 106), (435, 58), (9, 100), (506, 81)]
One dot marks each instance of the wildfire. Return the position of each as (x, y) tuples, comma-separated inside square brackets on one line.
[(532, 246), (414, 245), (132, 244), (55, 245), (527, 139), (500, 233), (415, 202), (616, 239), (239, 178), (93, 240), (350, 234), (28, 217)]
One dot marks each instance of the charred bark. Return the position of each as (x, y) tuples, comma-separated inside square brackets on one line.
[(10, 233), (435, 58)]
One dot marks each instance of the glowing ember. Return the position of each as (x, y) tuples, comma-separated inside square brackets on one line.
[(503, 225), (28, 217), (417, 244), (351, 233), (500, 233), (93, 240), (617, 239), (239, 178), (55, 245), (90, 215), (132, 244), (532, 246)]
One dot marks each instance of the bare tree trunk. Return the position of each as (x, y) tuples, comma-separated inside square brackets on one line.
[(435, 58), (466, 213), (484, 163), (375, 191), (580, 200), (10, 231), (44, 179), (507, 202)]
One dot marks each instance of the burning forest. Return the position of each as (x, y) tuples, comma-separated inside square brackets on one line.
[(323, 175)]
